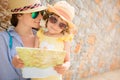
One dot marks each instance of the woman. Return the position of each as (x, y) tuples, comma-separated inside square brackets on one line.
[(26, 15)]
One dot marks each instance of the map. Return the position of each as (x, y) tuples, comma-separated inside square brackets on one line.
[(35, 57)]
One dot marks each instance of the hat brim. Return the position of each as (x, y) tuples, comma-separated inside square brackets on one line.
[(30, 10), (52, 9)]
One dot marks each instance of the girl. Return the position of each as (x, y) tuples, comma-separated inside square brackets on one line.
[(57, 37)]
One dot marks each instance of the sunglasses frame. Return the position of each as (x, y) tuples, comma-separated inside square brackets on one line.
[(56, 20), (35, 14)]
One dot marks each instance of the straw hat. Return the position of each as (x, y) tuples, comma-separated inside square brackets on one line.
[(64, 10), (25, 6)]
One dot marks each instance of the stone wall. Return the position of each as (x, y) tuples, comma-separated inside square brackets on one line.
[(96, 46), (4, 15)]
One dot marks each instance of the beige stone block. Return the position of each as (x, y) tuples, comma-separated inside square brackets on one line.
[(112, 75)]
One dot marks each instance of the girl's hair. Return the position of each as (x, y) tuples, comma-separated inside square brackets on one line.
[(46, 17), (14, 20)]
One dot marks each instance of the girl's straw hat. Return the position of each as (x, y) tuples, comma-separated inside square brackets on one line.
[(25, 6), (64, 10)]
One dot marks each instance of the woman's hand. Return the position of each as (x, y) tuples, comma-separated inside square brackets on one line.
[(17, 62), (61, 69)]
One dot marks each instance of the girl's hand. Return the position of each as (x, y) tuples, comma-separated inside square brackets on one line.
[(17, 62), (61, 69)]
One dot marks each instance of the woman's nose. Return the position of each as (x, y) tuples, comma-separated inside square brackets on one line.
[(39, 17)]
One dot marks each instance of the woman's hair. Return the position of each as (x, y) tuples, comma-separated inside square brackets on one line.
[(46, 17), (14, 20)]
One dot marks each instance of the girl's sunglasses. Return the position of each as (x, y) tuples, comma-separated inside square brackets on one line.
[(35, 14), (54, 20)]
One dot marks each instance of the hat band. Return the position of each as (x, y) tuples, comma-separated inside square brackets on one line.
[(26, 8)]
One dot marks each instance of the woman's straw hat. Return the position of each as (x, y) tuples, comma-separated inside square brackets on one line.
[(25, 6), (64, 10)]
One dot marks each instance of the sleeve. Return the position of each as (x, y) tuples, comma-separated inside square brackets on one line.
[(3, 45), (68, 37), (5, 50), (40, 33), (3, 54)]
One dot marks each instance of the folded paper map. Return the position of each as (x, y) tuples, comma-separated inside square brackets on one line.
[(35, 57)]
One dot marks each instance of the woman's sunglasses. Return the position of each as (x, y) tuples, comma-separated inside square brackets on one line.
[(35, 14), (54, 20)]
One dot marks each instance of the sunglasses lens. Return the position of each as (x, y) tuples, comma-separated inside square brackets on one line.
[(35, 14), (53, 19), (62, 25)]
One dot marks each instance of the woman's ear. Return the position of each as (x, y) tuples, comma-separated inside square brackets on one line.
[(19, 16)]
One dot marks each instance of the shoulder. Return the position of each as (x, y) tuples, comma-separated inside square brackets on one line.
[(67, 38), (3, 34)]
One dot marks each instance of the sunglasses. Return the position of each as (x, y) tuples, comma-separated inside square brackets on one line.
[(35, 14), (54, 20)]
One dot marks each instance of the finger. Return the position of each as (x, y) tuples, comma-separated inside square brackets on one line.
[(61, 72), (18, 59), (59, 66), (17, 62), (17, 56)]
